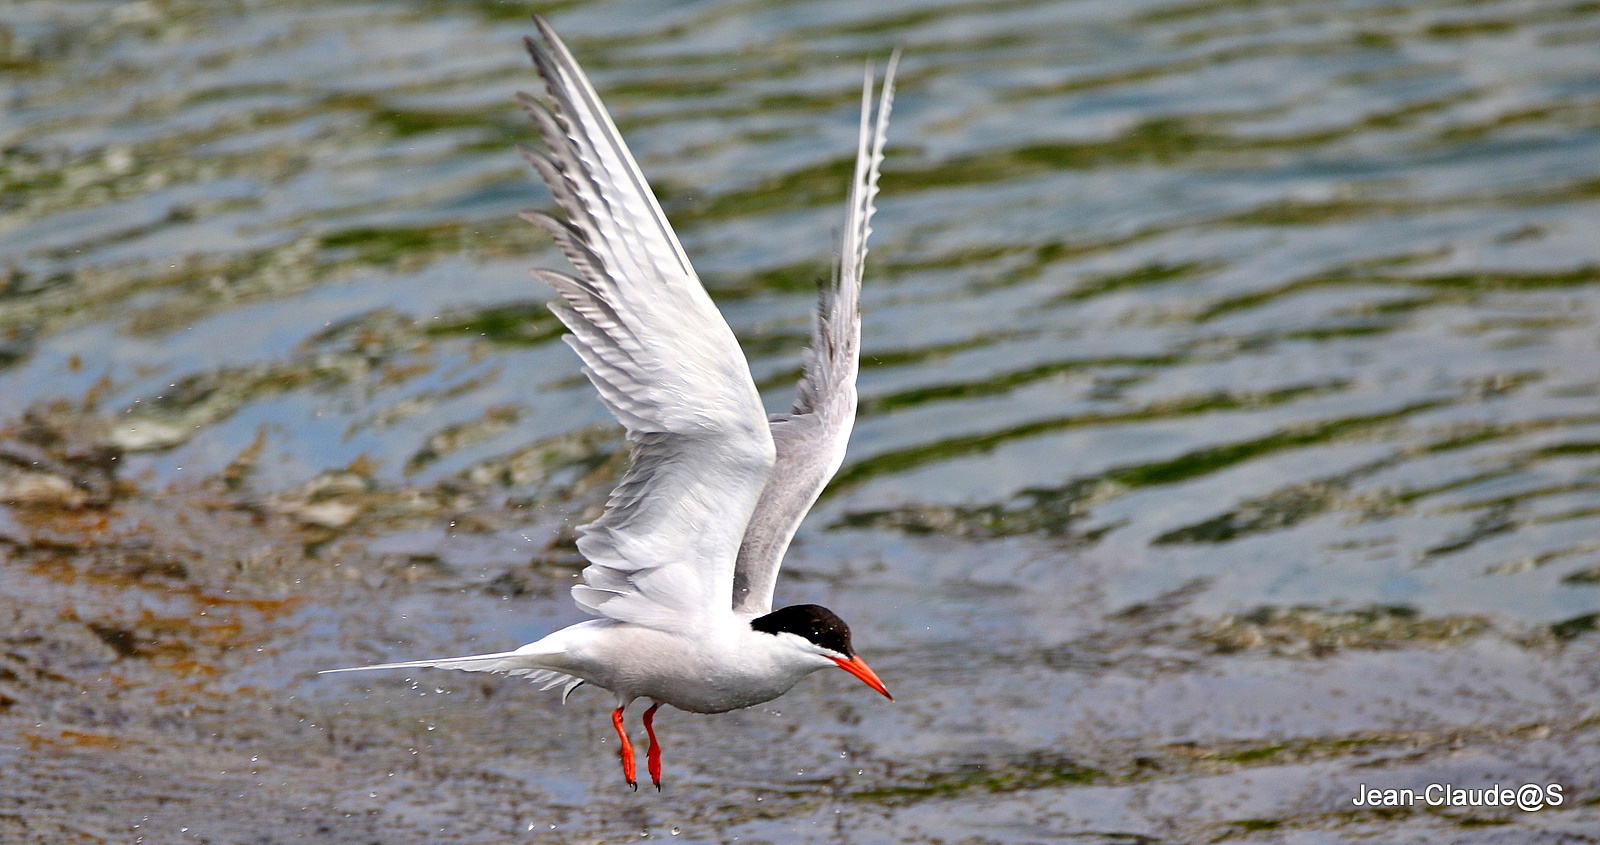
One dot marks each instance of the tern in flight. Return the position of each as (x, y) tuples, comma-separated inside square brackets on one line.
[(683, 561)]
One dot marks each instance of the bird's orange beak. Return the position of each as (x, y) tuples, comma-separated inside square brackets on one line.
[(858, 667)]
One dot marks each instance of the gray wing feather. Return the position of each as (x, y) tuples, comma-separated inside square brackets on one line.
[(663, 361), (810, 439)]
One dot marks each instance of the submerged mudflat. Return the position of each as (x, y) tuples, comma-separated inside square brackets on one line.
[(1229, 436)]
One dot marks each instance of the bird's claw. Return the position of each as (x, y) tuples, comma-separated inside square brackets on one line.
[(634, 784)]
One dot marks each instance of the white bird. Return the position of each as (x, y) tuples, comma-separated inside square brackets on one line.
[(683, 561)]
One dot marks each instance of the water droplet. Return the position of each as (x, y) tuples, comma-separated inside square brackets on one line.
[(530, 825), (644, 834), (254, 758), (844, 754), (372, 795), (676, 831)]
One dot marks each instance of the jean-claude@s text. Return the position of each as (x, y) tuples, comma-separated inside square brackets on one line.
[(1529, 796)]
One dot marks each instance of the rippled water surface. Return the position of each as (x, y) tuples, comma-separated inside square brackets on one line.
[(1229, 436)]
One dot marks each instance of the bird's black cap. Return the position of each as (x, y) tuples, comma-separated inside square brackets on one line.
[(812, 621)]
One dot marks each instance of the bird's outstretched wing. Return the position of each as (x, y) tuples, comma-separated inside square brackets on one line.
[(664, 361), (811, 437)]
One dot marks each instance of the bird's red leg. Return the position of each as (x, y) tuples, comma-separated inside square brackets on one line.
[(653, 755), (627, 749)]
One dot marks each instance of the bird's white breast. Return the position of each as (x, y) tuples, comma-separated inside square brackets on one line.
[(729, 667)]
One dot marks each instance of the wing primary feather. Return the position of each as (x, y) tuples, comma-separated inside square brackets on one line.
[(811, 437), (663, 361), (569, 67), (580, 156), (570, 240)]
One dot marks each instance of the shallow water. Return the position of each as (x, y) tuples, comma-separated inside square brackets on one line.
[(1229, 432)]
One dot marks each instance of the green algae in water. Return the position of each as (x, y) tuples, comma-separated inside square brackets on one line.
[(996, 778)]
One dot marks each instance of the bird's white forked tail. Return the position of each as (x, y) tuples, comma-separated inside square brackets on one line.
[(520, 663)]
